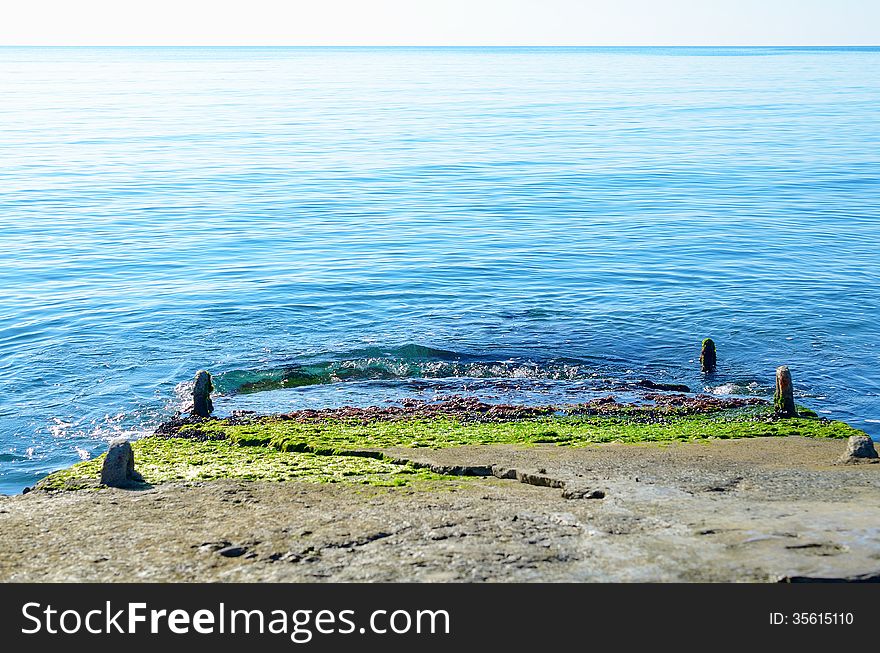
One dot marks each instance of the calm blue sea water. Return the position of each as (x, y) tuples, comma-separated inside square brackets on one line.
[(365, 224)]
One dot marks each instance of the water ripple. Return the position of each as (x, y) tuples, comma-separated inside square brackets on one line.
[(540, 216)]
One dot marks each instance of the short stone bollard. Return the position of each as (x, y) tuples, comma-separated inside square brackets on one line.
[(859, 447), (202, 404), (783, 398), (118, 469), (708, 356)]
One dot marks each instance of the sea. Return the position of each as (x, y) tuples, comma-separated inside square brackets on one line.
[(355, 226)]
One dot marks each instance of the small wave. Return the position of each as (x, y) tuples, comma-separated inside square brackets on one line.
[(739, 388), (59, 427), (182, 396), (411, 352), (132, 425), (112, 431), (376, 364)]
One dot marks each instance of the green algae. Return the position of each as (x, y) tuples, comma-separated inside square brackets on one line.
[(162, 460), (803, 411), (348, 451), (81, 476), (335, 436), (708, 356)]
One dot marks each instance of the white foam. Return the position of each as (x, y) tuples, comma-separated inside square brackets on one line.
[(724, 389), (59, 428)]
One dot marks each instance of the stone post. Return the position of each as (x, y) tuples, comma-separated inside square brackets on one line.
[(708, 358), (783, 399), (859, 448), (118, 468), (202, 405)]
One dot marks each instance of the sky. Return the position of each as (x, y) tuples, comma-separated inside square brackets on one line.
[(439, 22)]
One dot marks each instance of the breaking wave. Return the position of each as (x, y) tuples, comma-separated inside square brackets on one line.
[(406, 362)]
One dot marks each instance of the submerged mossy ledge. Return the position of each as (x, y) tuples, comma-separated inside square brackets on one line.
[(346, 445)]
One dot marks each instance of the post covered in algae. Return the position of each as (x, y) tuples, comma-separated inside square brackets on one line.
[(202, 389), (708, 356), (783, 398)]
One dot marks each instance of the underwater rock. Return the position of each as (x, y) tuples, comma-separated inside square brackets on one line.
[(666, 387), (708, 356), (465, 410), (783, 399), (859, 447), (202, 405), (118, 469)]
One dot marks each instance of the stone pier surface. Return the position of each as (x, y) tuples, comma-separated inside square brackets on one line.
[(758, 509)]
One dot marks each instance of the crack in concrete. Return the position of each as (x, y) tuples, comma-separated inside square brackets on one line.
[(537, 478)]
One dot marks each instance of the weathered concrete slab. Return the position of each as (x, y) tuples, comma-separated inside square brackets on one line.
[(745, 510)]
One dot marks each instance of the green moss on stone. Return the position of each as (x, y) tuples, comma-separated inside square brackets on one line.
[(803, 411), (161, 460), (335, 450), (331, 437)]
